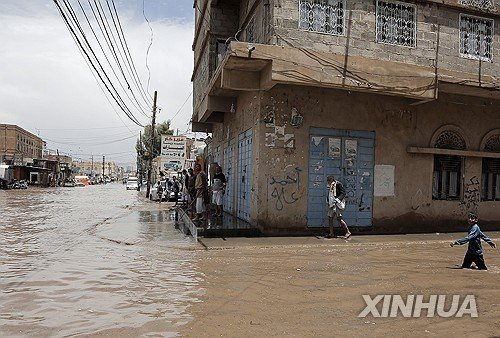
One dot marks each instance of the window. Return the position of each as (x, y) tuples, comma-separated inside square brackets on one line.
[(396, 23), (476, 37), (490, 189), (446, 178), (481, 4), (447, 175), (323, 16), (490, 183)]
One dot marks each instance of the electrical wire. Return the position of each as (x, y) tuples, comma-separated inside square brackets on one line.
[(91, 144), (116, 50), (149, 47), (73, 26), (138, 106), (178, 111), (140, 86)]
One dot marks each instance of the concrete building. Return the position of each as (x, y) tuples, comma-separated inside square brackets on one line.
[(399, 100), (18, 145), (94, 168), (22, 151)]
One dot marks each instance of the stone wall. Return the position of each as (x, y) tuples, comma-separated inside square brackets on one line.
[(434, 23)]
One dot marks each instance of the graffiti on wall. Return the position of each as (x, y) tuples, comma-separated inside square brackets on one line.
[(471, 198), (285, 190)]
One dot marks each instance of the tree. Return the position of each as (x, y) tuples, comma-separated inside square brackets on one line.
[(143, 145)]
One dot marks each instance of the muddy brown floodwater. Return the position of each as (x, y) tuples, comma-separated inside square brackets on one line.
[(102, 262), (96, 261), (313, 287)]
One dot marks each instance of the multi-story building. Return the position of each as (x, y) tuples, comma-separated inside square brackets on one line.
[(400, 100), (95, 168), (22, 151), (18, 146)]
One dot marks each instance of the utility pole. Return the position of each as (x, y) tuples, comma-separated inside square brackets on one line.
[(150, 166), (139, 162), (103, 167)]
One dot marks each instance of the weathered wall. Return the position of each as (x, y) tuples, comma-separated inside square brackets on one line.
[(279, 205), (432, 21)]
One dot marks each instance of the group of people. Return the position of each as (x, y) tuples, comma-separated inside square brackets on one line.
[(196, 192), (171, 185)]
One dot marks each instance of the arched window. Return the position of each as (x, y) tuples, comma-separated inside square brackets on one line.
[(447, 174), (490, 182)]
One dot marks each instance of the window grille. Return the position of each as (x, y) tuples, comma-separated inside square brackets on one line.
[(490, 188), (446, 177), (450, 140), (481, 4), (476, 37), (323, 16), (447, 174), (396, 23), (493, 144), (490, 182)]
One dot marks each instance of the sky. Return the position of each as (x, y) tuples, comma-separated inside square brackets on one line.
[(47, 87)]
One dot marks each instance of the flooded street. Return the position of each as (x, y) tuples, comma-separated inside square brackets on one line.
[(92, 261)]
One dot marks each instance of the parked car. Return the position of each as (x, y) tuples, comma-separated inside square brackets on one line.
[(133, 183)]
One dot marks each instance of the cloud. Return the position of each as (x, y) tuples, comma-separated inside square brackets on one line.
[(47, 87)]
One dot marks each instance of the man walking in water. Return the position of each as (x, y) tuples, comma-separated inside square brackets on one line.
[(475, 250), (336, 204)]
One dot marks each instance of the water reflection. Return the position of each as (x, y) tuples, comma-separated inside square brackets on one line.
[(66, 268)]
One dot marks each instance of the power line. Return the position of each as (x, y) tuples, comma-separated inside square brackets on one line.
[(64, 129), (150, 44), (108, 32), (178, 111), (140, 86), (90, 144), (138, 106), (73, 25)]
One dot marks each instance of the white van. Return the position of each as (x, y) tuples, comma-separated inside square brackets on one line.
[(133, 183)]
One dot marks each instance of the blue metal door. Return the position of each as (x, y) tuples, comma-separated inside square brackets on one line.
[(228, 169), (347, 155), (244, 174)]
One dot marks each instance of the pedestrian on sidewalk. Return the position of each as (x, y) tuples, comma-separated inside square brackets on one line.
[(218, 189), (185, 190), (159, 191), (201, 186), (336, 204), (175, 188), (192, 192), (474, 252)]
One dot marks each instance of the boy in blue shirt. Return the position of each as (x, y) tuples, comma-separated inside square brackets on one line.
[(475, 251)]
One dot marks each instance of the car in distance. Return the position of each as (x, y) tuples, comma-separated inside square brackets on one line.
[(133, 183)]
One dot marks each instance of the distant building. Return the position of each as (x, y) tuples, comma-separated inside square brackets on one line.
[(23, 151), (18, 146)]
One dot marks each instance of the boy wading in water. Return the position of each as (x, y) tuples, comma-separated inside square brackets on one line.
[(336, 204), (475, 250)]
